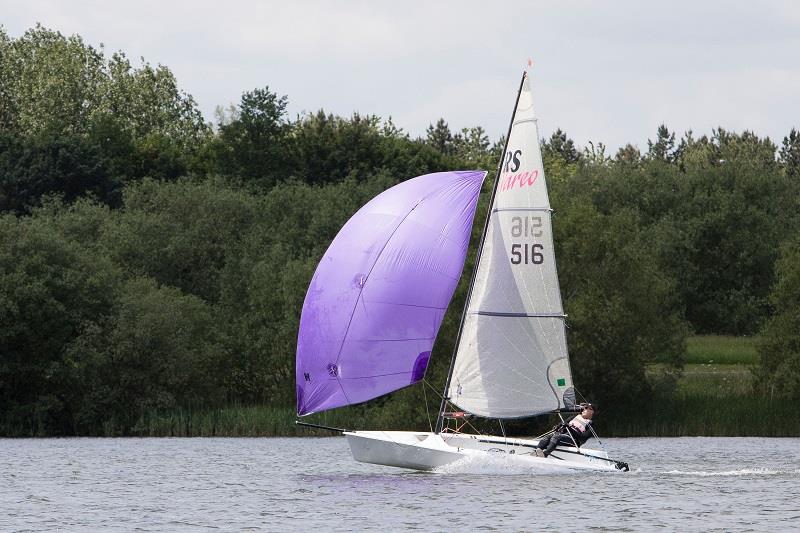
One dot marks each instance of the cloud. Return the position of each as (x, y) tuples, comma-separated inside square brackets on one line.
[(603, 71)]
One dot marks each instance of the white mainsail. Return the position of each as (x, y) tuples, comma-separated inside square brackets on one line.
[(511, 360)]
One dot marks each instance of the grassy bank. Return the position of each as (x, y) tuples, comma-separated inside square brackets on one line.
[(721, 349), (714, 397)]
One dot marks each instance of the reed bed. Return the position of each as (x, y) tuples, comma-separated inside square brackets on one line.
[(705, 415), (239, 421)]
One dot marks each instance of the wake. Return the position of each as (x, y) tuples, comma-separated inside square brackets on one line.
[(500, 464), (729, 473)]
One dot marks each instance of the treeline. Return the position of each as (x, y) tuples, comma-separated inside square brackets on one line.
[(151, 262)]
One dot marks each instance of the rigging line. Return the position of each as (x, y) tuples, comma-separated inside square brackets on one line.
[(580, 394), (597, 437), (427, 410), (435, 391), (568, 431), (563, 329), (590, 425), (476, 430)]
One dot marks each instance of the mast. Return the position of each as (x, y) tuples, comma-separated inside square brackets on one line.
[(440, 417)]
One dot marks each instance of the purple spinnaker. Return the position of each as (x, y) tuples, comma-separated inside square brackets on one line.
[(379, 294)]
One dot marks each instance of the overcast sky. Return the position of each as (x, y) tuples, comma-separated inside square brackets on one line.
[(603, 71)]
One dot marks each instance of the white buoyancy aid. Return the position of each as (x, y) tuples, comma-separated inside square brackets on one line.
[(579, 424)]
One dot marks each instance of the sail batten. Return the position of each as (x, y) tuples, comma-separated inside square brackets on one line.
[(529, 315)]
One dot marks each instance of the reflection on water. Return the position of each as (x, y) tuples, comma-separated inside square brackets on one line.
[(300, 484)]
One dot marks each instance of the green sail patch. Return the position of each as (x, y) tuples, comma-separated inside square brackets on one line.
[(561, 382)]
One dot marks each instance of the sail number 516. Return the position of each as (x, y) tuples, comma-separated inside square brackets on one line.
[(526, 253)]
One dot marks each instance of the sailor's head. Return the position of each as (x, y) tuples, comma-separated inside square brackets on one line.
[(587, 410)]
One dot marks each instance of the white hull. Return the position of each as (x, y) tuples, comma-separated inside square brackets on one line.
[(427, 451)]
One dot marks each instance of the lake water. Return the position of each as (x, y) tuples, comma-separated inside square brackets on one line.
[(689, 484)]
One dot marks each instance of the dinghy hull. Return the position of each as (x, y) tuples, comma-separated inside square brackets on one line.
[(428, 451)]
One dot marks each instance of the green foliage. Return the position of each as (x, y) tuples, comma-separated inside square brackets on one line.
[(180, 233), (562, 147), (790, 154), (440, 137), (60, 85), (265, 279), (328, 149), (622, 308), (253, 145), (628, 156), (159, 351), (779, 343), (75, 123), (67, 164), (716, 220), (663, 148), (51, 289)]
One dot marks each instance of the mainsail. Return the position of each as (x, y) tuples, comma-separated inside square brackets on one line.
[(511, 360), (379, 294)]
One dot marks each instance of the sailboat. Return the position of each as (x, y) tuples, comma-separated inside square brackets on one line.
[(379, 294)]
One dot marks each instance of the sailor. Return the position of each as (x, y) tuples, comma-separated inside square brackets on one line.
[(576, 431)]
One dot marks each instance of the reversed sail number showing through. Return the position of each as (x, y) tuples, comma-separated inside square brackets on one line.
[(526, 253)]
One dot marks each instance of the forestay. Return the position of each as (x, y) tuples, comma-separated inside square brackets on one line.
[(511, 360), (379, 294)]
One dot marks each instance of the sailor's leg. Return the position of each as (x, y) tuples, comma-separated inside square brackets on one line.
[(554, 438)]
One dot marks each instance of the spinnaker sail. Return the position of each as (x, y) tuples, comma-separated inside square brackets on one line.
[(378, 296)]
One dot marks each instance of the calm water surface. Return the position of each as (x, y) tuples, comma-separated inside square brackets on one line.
[(689, 484)]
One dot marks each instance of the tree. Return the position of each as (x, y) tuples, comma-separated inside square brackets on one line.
[(622, 308), (790, 154), (561, 146), (595, 154), (663, 148), (51, 288), (253, 144), (180, 234), (778, 374), (51, 82), (328, 148), (78, 123), (67, 165), (628, 155), (440, 137), (159, 351), (57, 84), (472, 147), (736, 209)]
